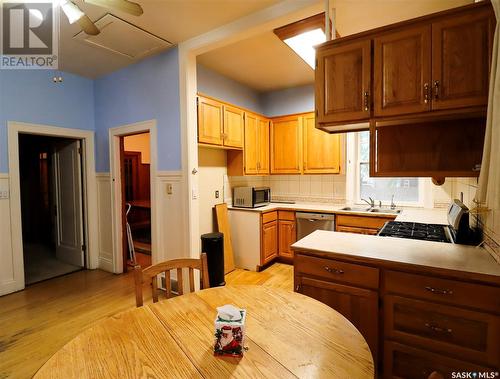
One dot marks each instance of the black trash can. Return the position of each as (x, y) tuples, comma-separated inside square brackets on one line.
[(213, 245)]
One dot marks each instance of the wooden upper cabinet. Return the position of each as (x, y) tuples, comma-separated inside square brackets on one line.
[(263, 145), (233, 127), (210, 121), (461, 55), (321, 150), (402, 71), (286, 145), (343, 77), (251, 151)]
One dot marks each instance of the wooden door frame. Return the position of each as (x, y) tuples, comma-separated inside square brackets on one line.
[(282, 13), (115, 156), (89, 193)]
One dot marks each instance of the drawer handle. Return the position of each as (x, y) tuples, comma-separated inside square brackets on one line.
[(334, 270), (438, 329), (438, 291)]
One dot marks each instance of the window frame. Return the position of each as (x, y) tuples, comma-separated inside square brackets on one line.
[(353, 186)]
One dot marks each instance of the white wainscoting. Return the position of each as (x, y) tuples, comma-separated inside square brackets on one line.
[(7, 270), (170, 216), (169, 213), (103, 181)]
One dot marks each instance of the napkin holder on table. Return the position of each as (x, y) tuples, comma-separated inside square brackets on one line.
[(229, 331)]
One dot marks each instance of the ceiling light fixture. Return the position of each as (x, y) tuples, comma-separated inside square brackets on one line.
[(302, 36), (72, 12)]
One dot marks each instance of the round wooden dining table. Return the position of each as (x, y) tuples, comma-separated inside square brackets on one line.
[(287, 335)]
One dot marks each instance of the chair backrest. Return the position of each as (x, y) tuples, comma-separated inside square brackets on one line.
[(151, 273)]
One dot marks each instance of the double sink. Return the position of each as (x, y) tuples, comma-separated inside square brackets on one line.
[(371, 210)]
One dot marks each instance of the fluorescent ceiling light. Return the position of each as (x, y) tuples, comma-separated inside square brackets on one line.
[(71, 11), (303, 44)]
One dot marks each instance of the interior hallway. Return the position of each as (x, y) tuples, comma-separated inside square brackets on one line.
[(38, 321), (40, 263)]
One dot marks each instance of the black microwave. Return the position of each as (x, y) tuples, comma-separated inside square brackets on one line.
[(251, 197)]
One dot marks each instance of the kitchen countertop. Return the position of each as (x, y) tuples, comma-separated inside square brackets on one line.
[(435, 257), (423, 215)]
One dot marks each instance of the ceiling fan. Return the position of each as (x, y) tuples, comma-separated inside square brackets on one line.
[(75, 14)]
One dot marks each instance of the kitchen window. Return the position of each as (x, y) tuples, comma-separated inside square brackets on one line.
[(406, 191)]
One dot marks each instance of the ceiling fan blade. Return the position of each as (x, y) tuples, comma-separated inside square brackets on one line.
[(121, 5), (88, 26)]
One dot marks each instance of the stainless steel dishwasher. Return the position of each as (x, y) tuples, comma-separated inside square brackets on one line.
[(309, 222)]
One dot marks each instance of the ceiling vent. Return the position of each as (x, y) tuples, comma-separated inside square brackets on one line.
[(121, 37)]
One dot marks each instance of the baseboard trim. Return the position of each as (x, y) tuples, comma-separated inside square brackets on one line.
[(105, 264)]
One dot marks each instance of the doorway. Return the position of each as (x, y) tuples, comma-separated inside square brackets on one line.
[(136, 199), (52, 216)]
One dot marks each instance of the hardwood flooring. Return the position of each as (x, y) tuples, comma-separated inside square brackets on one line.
[(38, 321)]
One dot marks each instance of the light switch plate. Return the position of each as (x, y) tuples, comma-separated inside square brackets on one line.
[(170, 189), (4, 189)]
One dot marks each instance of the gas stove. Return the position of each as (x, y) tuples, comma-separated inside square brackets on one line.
[(457, 230), (415, 230)]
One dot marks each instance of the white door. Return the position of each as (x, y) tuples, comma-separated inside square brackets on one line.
[(68, 195)]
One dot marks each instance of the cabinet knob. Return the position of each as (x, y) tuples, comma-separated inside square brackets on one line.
[(426, 93), (436, 89), (366, 96), (334, 270), (438, 329), (438, 291)]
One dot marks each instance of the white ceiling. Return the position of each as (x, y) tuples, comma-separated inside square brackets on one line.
[(265, 63), (172, 20)]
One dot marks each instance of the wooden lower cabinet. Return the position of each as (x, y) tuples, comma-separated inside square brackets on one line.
[(401, 361), (358, 305), (269, 249), (414, 324), (287, 234)]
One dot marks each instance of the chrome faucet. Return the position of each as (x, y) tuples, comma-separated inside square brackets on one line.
[(393, 206), (371, 203)]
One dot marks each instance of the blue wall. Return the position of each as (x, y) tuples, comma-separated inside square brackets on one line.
[(213, 84), (146, 90), (31, 96), (288, 101)]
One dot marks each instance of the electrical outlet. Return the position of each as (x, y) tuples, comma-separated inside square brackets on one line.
[(4, 194), (216, 194), (170, 189), (194, 194)]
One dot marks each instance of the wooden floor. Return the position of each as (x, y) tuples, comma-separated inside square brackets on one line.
[(38, 321)]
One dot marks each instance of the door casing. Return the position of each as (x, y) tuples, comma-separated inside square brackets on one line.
[(89, 188)]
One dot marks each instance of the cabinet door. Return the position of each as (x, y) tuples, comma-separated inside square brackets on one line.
[(287, 236), (251, 151), (321, 149), (286, 145), (210, 119), (461, 55), (263, 145), (343, 83), (360, 306), (269, 241), (233, 127), (402, 72)]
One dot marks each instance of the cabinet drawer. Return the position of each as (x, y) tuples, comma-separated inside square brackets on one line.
[(286, 215), (362, 221), (465, 334), (401, 361), (353, 229), (444, 290), (269, 216), (337, 271)]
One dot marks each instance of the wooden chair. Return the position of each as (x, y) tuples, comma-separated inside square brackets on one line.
[(151, 273)]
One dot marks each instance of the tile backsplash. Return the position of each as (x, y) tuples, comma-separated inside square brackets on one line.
[(311, 188), (488, 221)]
